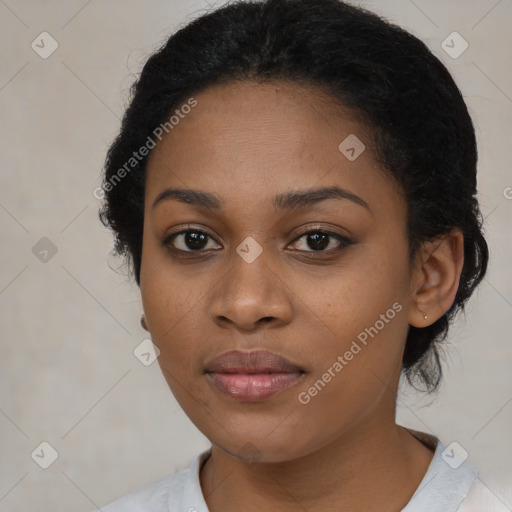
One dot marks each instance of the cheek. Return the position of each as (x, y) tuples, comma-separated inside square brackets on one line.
[(342, 300), (169, 301), (361, 340), (360, 314), (354, 371), (173, 307)]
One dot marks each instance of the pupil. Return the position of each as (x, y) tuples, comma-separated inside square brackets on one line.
[(195, 240), (318, 241)]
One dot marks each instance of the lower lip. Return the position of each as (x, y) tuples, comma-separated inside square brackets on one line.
[(253, 387)]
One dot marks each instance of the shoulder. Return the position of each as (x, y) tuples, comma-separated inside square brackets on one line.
[(153, 497), (447, 481), (158, 496), (452, 483), (484, 496)]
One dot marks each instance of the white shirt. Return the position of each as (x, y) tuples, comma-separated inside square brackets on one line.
[(451, 486)]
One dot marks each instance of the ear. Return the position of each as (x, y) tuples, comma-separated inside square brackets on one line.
[(143, 323), (436, 278)]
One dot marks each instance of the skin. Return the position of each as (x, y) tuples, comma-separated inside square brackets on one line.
[(246, 142)]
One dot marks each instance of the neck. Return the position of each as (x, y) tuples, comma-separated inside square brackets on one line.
[(376, 466)]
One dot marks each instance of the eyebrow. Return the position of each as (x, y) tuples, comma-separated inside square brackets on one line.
[(284, 201)]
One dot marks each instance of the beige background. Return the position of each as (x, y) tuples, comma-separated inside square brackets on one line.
[(68, 374)]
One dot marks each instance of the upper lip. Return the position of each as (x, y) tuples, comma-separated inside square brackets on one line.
[(254, 361)]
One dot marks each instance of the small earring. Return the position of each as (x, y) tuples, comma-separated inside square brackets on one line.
[(424, 315), (143, 323)]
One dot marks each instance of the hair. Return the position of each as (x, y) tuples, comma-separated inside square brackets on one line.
[(421, 130)]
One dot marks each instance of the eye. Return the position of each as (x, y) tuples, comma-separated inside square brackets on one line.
[(197, 240), (189, 240), (321, 241)]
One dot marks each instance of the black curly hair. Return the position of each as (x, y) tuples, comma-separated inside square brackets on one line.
[(423, 135)]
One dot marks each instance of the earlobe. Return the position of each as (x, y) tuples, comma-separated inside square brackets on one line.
[(439, 269), (143, 323)]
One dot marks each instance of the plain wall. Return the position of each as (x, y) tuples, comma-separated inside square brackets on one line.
[(68, 374)]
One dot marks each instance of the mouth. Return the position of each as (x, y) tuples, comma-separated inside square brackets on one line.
[(252, 376)]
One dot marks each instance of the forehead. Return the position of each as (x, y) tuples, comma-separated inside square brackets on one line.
[(250, 139)]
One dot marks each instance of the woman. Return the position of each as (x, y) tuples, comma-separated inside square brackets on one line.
[(294, 186)]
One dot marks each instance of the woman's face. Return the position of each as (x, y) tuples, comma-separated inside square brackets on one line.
[(247, 276)]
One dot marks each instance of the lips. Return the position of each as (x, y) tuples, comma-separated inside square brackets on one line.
[(256, 361), (252, 376)]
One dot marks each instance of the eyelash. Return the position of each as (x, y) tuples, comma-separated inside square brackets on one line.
[(343, 241)]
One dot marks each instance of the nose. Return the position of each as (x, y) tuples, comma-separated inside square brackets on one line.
[(251, 295)]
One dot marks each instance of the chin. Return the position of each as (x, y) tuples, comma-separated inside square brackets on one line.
[(260, 447)]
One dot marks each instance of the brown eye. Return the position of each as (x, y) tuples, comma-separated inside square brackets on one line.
[(321, 241), (190, 240)]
